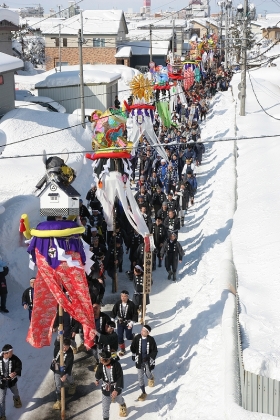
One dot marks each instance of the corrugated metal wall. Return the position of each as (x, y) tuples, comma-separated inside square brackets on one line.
[(96, 96)]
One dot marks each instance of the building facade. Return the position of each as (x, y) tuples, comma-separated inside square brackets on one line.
[(102, 30)]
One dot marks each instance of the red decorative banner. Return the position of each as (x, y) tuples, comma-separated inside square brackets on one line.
[(48, 293)]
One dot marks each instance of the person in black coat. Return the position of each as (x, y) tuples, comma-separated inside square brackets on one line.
[(109, 339), (172, 223), (27, 297), (173, 251), (171, 203), (134, 240), (114, 259), (159, 232), (183, 194), (139, 255), (163, 212), (138, 280), (125, 312), (4, 270), (157, 199), (10, 369), (111, 374), (62, 373), (155, 182), (144, 352), (83, 211), (200, 149), (101, 320), (146, 217), (87, 233)]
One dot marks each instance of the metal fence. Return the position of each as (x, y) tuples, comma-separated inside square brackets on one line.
[(258, 393)]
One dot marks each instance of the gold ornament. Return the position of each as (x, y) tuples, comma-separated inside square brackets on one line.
[(141, 87)]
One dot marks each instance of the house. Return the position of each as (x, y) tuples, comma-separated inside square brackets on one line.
[(102, 30), (58, 199), (203, 26), (9, 21), (100, 88), (137, 53), (8, 65), (270, 27)]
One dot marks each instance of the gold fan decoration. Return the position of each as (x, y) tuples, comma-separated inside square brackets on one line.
[(141, 87)]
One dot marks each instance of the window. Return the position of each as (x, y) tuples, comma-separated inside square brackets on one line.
[(63, 63), (64, 42), (98, 42), (57, 42), (1, 79)]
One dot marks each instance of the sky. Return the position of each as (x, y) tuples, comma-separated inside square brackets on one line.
[(272, 6)]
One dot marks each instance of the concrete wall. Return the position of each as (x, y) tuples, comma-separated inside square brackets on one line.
[(7, 93)]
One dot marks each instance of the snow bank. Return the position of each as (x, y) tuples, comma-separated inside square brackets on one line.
[(257, 224)]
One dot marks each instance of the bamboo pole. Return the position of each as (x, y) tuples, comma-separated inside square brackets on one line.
[(61, 360)]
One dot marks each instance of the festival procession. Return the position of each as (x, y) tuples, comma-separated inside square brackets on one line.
[(146, 151)]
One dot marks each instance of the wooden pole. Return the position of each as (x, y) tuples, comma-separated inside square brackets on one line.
[(115, 279), (147, 276), (61, 359)]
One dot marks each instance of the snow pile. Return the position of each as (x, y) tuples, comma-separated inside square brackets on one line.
[(9, 15), (257, 225), (9, 63)]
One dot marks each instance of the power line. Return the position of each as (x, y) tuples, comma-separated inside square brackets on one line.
[(271, 116), (153, 146)]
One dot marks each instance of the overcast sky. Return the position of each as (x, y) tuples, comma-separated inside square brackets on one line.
[(271, 6)]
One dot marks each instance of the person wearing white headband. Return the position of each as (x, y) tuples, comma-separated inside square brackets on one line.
[(144, 352), (10, 369)]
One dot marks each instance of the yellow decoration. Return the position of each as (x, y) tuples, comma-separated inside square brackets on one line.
[(57, 233), (141, 87)]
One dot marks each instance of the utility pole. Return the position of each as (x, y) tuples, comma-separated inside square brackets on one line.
[(151, 45), (80, 43), (244, 60), (226, 36), (173, 37), (59, 46)]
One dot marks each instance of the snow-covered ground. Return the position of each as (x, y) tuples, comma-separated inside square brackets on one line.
[(185, 316)]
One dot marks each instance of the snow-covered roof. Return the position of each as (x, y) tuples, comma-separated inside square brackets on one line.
[(9, 63), (9, 15), (268, 23), (72, 78), (95, 22), (143, 47), (205, 22), (144, 34), (124, 52), (44, 25)]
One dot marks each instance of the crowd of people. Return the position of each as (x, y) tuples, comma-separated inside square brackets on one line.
[(164, 190)]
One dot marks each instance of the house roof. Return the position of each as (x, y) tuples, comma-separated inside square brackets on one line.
[(9, 16), (68, 189), (143, 47), (205, 22), (9, 63), (95, 22), (124, 52), (72, 78)]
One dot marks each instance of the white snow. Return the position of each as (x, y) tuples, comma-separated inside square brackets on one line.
[(71, 78), (94, 22), (9, 63), (9, 15), (186, 316)]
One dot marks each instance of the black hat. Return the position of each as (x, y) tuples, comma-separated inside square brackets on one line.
[(7, 348), (189, 171), (111, 324), (170, 193), (124, 292), (105, 354), (118, 241), (147, 327), (159, 218)]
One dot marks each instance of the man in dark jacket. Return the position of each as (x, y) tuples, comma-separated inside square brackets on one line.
[(173, 251), (144, 352), (172, 223), (63, 373), (4, 270), (160, 235), (83, 211), (111, 374), (134, 240), (10, 369), (163, 212), (125, 312), (157, 199), (27, 297)]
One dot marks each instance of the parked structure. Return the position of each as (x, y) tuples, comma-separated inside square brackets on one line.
[(8, 65), (9, 21)]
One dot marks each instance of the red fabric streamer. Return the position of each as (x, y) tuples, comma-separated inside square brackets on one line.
[(48, 293), (138, 106)]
